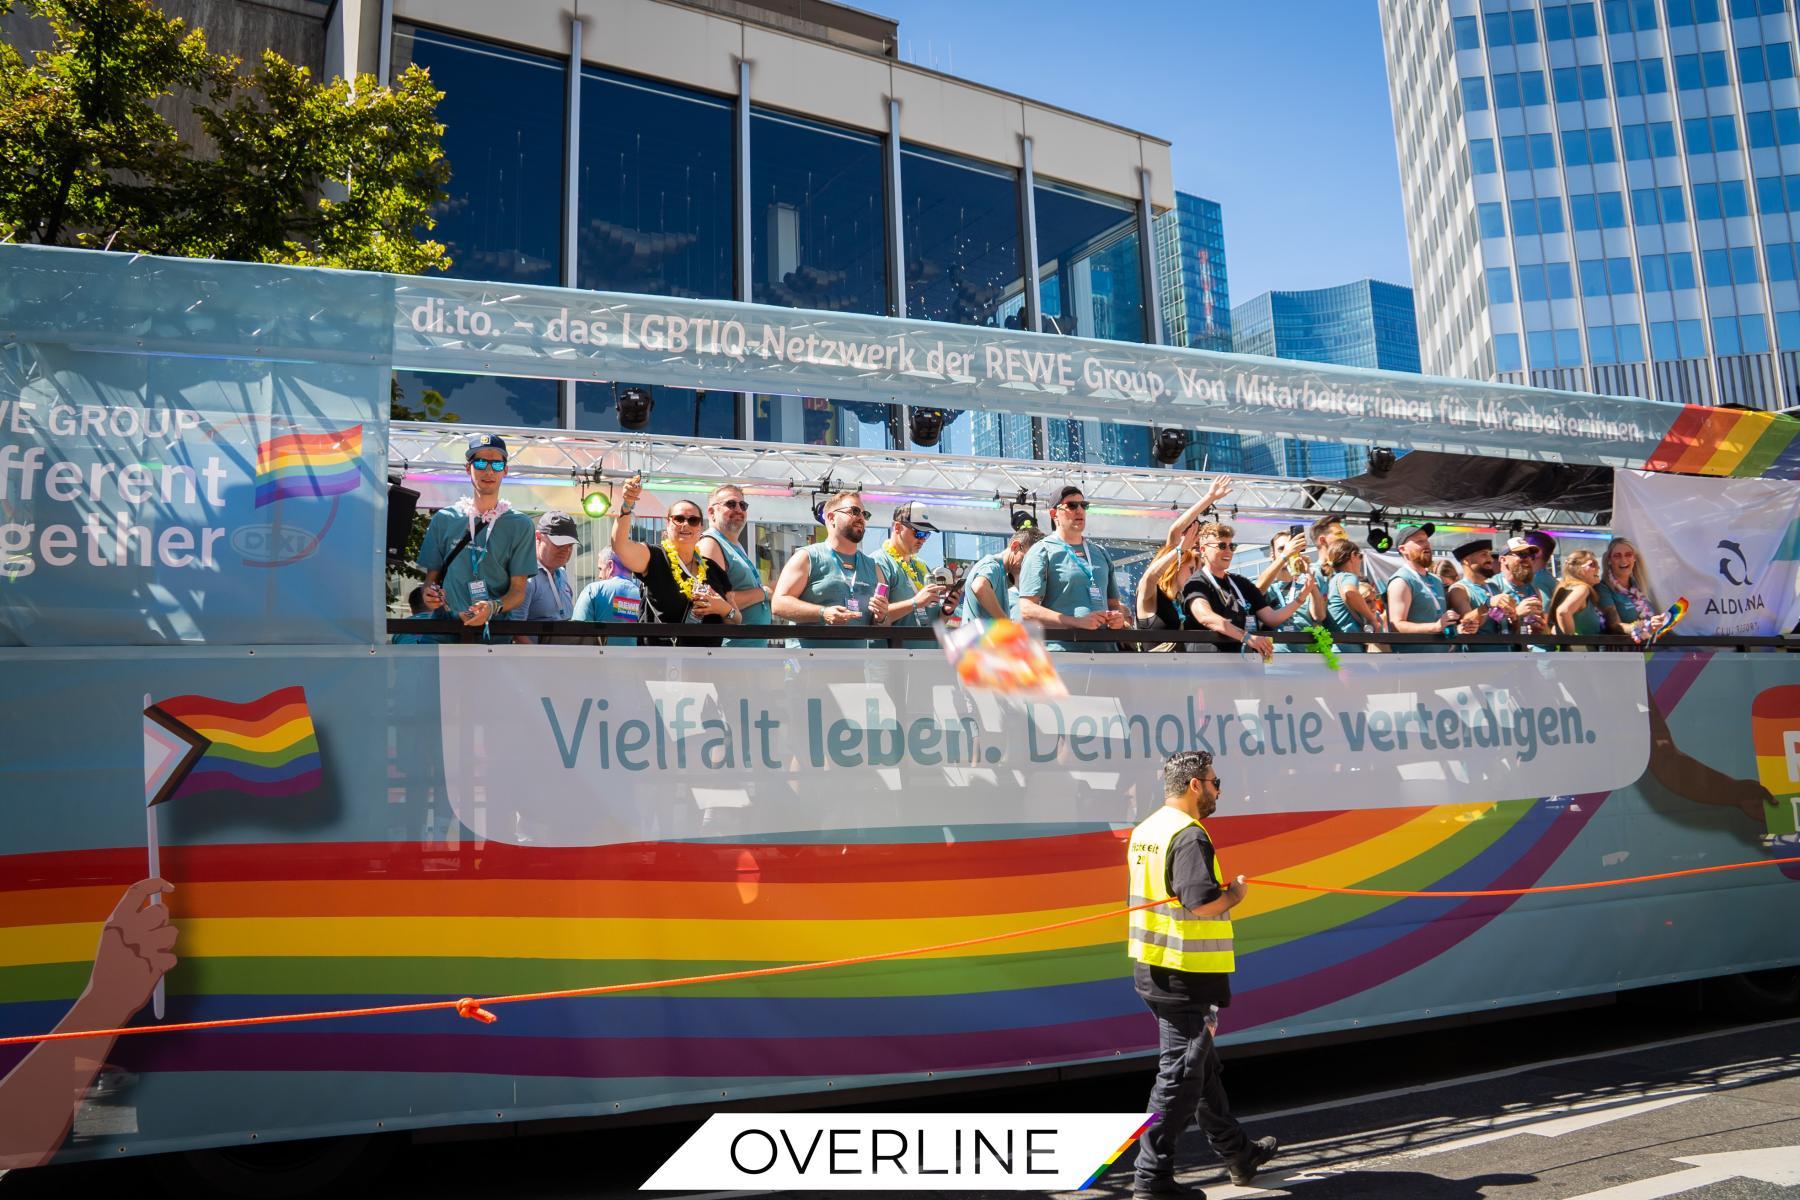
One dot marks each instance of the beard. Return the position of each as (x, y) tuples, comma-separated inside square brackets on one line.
[(855, 533), (1487, 573)]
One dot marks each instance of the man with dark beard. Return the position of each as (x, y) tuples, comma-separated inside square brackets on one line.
[(1471, 596), (833, 582)]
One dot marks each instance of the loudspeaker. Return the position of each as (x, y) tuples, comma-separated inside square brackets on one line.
[(403, 502)]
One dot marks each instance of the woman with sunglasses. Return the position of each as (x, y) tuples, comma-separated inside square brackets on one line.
[(1169, 569), (681, 585)]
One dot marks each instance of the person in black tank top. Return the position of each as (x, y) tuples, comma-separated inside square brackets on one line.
[(680, 584)]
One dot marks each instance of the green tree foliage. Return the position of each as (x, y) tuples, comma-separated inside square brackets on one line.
[(297, 171)]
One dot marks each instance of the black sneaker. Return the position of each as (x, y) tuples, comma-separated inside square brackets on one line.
[(1253, 1159), (1166, 1189)]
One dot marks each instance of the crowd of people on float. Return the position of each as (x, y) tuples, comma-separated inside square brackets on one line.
[(486, 562)]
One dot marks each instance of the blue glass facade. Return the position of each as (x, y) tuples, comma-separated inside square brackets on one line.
[(1363, 324), (658, 184), (1196, 305)]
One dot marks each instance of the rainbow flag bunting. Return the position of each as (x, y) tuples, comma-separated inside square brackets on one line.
[(308, 464), (196, 744)]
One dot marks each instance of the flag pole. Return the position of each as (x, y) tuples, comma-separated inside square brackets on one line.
[(157, 998)]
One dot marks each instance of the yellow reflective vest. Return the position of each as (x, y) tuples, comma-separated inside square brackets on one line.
[(1166, 935)]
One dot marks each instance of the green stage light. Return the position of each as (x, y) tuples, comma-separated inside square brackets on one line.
[(596, 504)]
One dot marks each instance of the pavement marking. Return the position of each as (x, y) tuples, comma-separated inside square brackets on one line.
[(1574, 1122), (1507, 1072), (1779, 1165)]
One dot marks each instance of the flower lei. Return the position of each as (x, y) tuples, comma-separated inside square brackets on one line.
[(905, 563), (683, 580)]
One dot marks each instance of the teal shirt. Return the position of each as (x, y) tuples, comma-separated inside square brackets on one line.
[(1070, 581), (1504, 586), (900, 587), (1338, 617), (1480, 595), (1427, 605), (1622, 604), (743, 575), (830, 582), (1279, 594), (501, 549), (992, 569)]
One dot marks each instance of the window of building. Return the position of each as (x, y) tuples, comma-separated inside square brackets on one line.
[(1565, 21), (1787, 330), (657, 214), (1713, 201), (1607, 277), (1702, 70), (1624, 16), (1579, 83), (1640, 77), (1549, 281), (1706, 135), (1584, 146), (1602, 210), (1491, 218), (1506, 345), (1525, 151), (1654, 140), (1088, 263), (1481, 156), (1466, 33), (1474, 93), (1759, 63), (1519, 91), (818, 232), (1670, 340), (1543, 214), (1757, 8), (1780, 256), (502, 219), (1602, 348), (1692, 12), (1779, 128), (1506, 29), (1499, 285)]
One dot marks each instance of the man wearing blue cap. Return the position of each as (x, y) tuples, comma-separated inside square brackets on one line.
[(479, 554)]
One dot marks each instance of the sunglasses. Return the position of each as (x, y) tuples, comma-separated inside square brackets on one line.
[(488, 464), (864, 513), (1224, 545), (692, 522), (1075, 505), (1215, 781), (924, 535), (735, 505)]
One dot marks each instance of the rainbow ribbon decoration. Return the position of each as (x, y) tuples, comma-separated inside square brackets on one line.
[(308, 464)]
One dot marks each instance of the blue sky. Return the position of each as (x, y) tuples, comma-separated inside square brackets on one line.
[(1277, 109)]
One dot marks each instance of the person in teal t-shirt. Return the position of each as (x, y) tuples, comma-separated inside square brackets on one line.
[(729, 513), (480, 537), (833, 582), (1415, 595), (913, 597), (1067, 582), (991, 590), (1471, 596)]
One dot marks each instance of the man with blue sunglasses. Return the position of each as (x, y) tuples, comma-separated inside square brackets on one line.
[(479, 554), (913, 596)]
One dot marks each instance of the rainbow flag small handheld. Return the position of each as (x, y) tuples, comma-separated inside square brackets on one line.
[(1671, 618)]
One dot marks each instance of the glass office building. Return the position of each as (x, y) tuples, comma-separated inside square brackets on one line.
[(1603, 195), (1363, 324), (1196, 301), (681, 150)]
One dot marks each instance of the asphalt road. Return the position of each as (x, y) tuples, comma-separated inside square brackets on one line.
[(1605, 1104)]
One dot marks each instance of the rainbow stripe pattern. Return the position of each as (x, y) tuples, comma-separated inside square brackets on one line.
[(265, 747), (308, 464), (290, 927), (1729, 442)]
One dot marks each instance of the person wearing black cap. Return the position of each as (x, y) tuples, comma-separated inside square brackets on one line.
[(1067, 582), (478, 554), (913, 597), (549, 596), (1415, 595), (1471, 596)]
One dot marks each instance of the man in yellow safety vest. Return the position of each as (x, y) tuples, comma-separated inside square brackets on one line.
[(1183, 964)]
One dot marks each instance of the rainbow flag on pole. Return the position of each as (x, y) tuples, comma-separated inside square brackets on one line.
[(308, 464), (195, 744)]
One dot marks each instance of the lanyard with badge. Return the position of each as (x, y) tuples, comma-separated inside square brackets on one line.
[(851, 578), (1084, 560)]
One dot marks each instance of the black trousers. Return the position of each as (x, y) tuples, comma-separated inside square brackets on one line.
[(1190, 1086)]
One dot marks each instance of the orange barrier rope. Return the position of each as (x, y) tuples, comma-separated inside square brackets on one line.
[(477, 1010)]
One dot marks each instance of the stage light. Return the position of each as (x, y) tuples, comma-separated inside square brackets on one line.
[(1381, 460), (1170, 445), (926, 425), (1379, 537), (596, 503), (634, 406)]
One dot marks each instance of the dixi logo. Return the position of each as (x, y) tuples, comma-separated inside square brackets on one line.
[(1737, 574)]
